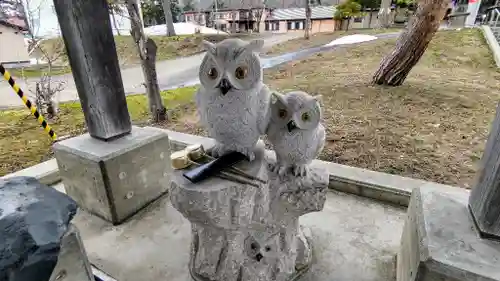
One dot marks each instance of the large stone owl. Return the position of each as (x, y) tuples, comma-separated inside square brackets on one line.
[(233, 102), (295, 131)]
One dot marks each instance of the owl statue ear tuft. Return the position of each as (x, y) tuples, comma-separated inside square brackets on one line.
[(318, 99), (277, 98), (255, 45), (208, 46)]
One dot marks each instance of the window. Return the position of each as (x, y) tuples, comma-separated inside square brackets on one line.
[(358, 19)]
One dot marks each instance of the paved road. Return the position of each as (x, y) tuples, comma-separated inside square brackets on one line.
[(171, 74)]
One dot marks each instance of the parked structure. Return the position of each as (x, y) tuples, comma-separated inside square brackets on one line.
[(13, 50)]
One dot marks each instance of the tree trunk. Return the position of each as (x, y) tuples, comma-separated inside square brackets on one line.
[(412, 44), (115, 23), (147, 53), (169, 21), (384, 13), (307, 27)]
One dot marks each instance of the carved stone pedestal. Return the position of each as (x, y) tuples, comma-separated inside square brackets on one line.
[(244, 233)]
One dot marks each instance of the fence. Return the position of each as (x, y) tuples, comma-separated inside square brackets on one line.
[(493, 20)]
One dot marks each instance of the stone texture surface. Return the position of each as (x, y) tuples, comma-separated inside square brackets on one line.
[(241, 232), (72, 264), (95, 175), (440, 241), (33, 220)]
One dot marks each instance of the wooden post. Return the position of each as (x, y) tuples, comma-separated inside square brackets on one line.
[(484, 200), (88, 36)]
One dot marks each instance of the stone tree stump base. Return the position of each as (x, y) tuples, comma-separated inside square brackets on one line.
[(244, 233)]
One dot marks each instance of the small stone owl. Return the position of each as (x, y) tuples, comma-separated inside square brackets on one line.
[(295, 131), (233, 102)]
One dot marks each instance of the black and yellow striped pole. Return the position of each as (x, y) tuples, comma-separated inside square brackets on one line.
[(28, 103)]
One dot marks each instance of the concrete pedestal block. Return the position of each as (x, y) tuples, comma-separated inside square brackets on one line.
[(115, 179), (72, 263), (440, 240)]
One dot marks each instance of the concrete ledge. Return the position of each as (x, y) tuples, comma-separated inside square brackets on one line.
[(376, 185), (492, 42), (46, 172)]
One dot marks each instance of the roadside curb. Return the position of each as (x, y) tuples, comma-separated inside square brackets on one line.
[(492, 42)]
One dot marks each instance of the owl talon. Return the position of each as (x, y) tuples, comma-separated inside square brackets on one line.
[(278, 169), (300, 170), (282, 170)]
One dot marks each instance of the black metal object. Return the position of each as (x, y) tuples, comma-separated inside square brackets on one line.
[(213, 167)]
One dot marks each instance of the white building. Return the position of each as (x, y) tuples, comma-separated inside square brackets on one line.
[(13, 51)]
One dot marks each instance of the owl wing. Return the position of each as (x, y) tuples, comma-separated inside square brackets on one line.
[(199, 101), (264, 116), (320, 135)]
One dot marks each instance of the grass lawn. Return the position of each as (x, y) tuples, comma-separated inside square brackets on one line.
[(319, 39), (433, 127), (23, 142), (37, 71)]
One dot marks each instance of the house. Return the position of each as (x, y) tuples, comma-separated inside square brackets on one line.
[(292, 19), (234, 20), (13, 50), (197, 17)]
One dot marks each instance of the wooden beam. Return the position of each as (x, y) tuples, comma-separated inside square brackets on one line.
[(484, 200), (86, 30)]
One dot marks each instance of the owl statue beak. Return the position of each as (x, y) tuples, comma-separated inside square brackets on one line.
[(291, 126), (224, 86)]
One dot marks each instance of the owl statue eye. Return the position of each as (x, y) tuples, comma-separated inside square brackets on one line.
[(305, 116), (241, 72), (212, 73), (282, 113)]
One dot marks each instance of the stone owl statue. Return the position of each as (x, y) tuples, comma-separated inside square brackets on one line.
[(295, 131), (233, 102)]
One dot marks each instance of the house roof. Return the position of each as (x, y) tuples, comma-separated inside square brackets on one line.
[(14, 22), (204, 5), (319, 12)]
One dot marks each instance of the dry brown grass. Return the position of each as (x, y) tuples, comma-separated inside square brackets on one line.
[(433, 127)]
